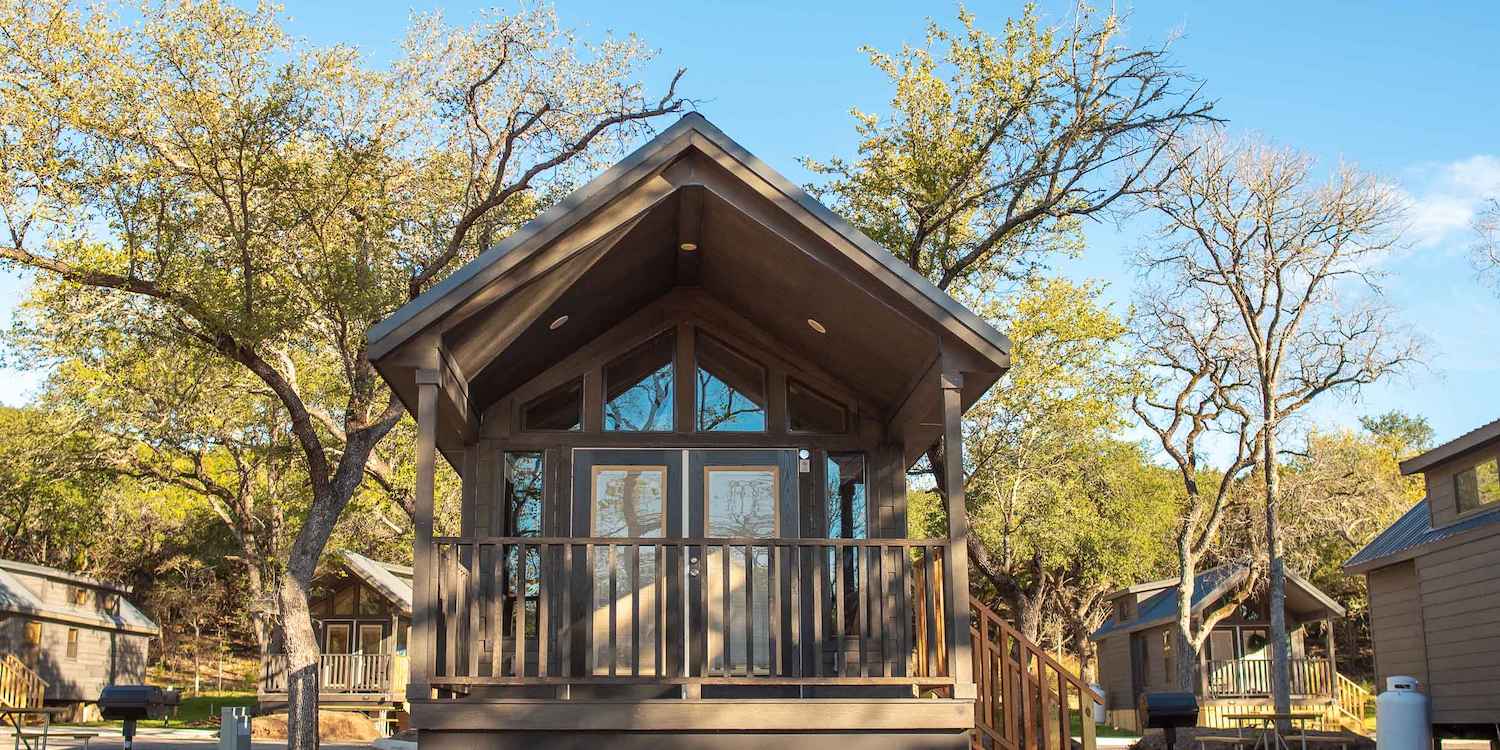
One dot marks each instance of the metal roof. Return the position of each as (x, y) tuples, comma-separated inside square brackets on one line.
[(392, 581), (17, 598), (1208, 586), (1413, 530)]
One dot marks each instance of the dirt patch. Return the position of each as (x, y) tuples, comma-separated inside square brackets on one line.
[(1155, 740), (333, 726)]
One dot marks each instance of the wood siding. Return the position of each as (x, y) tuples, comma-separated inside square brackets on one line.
[(1442, 498), (1460, 614), (1114, 672), (1396, 624), (101, 656)]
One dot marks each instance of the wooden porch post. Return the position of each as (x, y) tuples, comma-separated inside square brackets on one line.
[(1333, 664), (956, 571), (421, 641)]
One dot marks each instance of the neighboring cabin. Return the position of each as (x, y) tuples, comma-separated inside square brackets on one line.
[(362, 610), (1234, 667), (1434, 579), (76, 633)]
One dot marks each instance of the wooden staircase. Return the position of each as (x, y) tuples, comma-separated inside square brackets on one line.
[(1027, 699), (1352, 702), (20, 687)]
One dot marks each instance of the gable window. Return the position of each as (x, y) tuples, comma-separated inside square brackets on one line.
[(638, 388), (78, 595), (731, 390), (1477, 486), (558, 409), (369, 601), (812, 412), (523, 494), (33, 633), (72, 643)]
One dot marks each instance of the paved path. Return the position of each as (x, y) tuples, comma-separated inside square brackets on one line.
[(157, 738)]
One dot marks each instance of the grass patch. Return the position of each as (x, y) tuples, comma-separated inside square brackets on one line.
[(195, 712), (1075, 727)]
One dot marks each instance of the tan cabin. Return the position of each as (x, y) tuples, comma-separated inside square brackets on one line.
[(1434, 581), (64, 637), (362, 611), (682, 403), (1135, 647)]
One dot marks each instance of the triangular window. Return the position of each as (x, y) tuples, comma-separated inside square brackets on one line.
[(638, 388), (731, 390)]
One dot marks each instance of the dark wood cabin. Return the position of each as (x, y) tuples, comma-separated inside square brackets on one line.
[(362, 611), (63, 637), (1135, 647), (683, 403), (1434, 582)]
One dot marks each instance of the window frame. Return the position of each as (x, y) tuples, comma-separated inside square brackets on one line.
[(699, 335), (72, 643), (580, 383), (1480, 503)]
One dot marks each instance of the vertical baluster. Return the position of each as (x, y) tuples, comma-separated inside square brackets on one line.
[(775, 620), (635, 609), (727, 633), (841, 615), (931, 616), (613, 595), (795, 608), (475, 598), (749, 610), (519, 663), (906, 610), (544, 590), (818, 603), (565, 614), (450, 619), (494, 626), (1028, 710), (660, 656), (862, 567), (1064, 736)]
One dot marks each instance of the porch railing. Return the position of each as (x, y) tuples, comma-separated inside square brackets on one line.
[(1235, 678), (342, 673), (563, 610), (20, 686)]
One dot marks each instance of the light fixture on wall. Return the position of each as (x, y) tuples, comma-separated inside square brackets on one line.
[(688, 247), (816, 326), (561, 321)]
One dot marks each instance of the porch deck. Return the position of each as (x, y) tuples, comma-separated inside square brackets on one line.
[(344, 679)]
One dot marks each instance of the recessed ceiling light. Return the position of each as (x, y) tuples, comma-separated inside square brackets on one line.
[(816, 326), (688, 247), (559, 323)]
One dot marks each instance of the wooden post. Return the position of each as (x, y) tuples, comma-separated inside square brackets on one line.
[(1333, 665), (421, 641), (956, 567)]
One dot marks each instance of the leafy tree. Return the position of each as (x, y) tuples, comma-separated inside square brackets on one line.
[(1248, 230), (997, 146), (219, 187)]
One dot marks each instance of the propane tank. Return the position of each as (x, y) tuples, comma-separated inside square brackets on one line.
[(1100, 714), (1401, 716)]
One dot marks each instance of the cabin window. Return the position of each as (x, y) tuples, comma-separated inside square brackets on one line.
[(78, 595), (628, 501), (638, 388), (343, 601), (369, 601), (1477, 486), (72, 643), (524, 484), (33, 633), (844, 497), (731, 389), (811, 412), (560, 409), (112, 603)]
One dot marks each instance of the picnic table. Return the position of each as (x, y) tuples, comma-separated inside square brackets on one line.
[(15, 716), (1269, 730)]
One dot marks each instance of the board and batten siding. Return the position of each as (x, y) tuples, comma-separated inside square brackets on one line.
[(1396, 623), (1460, 613), (1114, 671)]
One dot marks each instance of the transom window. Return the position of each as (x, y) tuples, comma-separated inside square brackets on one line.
[(1477, 486), (812, 412), (558, 409), (638, 388)]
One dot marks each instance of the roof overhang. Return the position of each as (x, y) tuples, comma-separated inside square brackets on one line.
[(762, 246), (1471, 440)]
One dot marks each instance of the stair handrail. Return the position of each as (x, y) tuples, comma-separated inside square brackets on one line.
[(20, 685), (1026, 685), (1353, 699)]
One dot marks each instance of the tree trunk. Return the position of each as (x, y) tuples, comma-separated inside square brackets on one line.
[(1186, 648), (1281, 646), (300, 642), (1083, 647)]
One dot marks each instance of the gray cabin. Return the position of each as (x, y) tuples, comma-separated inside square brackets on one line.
[(683, 402), (63, 637), (1434, 580)]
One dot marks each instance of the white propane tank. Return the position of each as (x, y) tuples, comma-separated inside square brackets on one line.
[(1100, 715), (1401, 717)]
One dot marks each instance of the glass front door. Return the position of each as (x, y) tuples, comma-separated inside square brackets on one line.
[(681, 608)]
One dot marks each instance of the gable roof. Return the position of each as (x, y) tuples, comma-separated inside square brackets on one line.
[(391, 581), (1209, 587), (1412, 533), (16, 597), (1468, 441), (444, 296)]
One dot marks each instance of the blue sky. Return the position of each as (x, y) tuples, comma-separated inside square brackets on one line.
[(1406, 90)]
